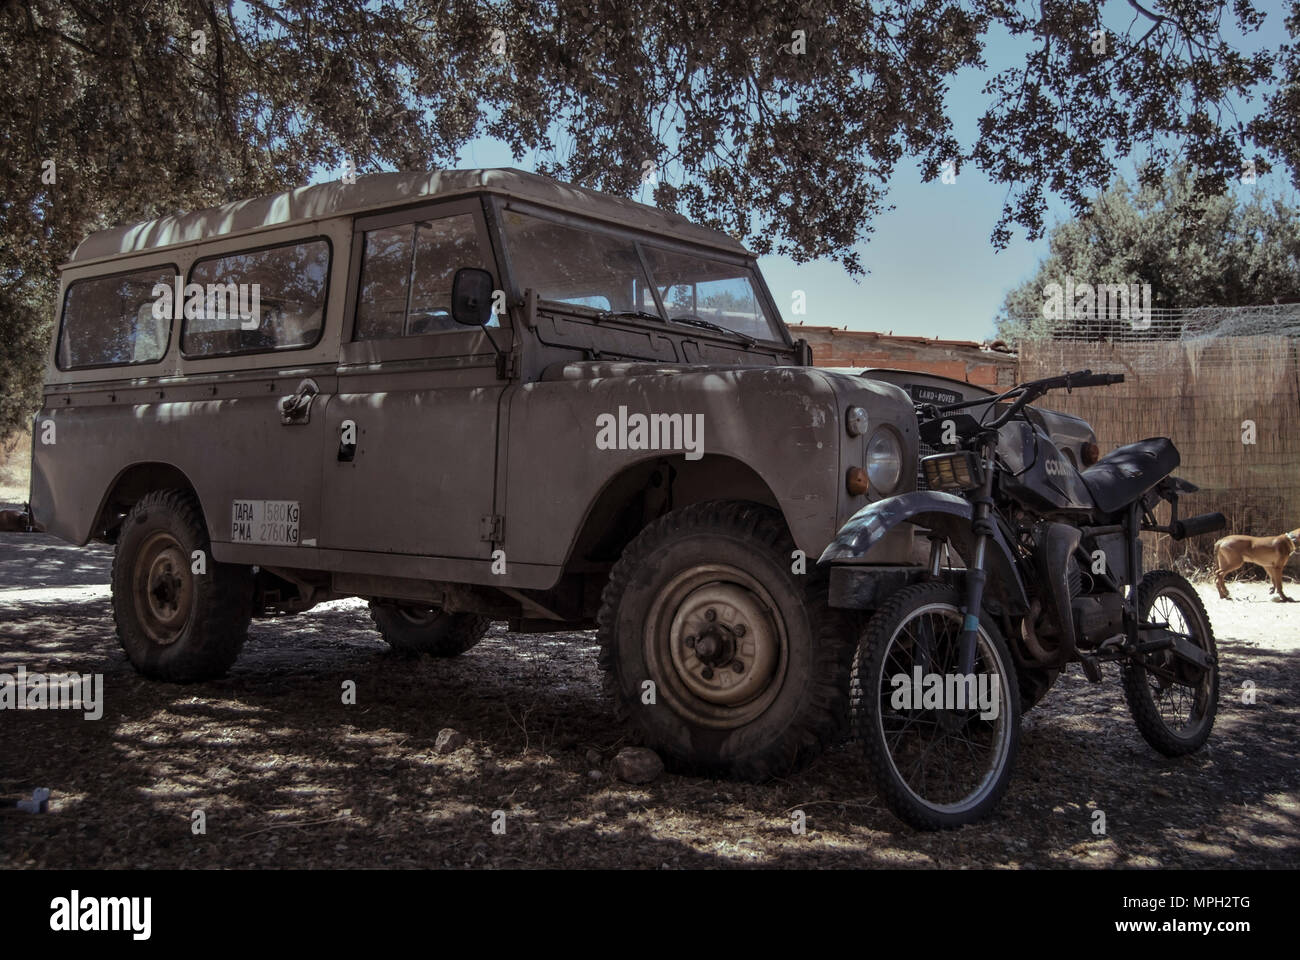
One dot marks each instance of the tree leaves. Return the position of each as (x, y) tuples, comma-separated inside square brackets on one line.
[(782, 123), (1193, 250)]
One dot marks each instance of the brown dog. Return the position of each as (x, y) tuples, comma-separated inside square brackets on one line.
[(1271, 553)]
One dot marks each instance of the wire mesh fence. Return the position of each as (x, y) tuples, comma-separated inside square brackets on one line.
[(1120, 324)]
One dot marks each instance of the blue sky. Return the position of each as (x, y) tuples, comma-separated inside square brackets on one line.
[(932, 271)]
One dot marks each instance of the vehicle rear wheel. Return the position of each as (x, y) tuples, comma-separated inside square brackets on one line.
[(174, 623), (716, 653), (1173, 703), (413, 630)]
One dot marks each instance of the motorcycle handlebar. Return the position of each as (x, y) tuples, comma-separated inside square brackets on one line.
[(1094, 379), (1030, 391), (1036, 388), (1079, 378)]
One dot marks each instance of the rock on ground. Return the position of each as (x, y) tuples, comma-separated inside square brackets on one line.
[(637, 765), (449, 741)]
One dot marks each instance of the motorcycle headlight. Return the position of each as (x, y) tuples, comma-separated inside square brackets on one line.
[(958, 471), (884, 460)]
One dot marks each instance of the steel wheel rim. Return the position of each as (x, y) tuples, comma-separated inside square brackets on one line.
[(895, 725), (163, 588), (693, 657)]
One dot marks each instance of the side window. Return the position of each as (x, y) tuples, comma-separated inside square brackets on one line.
[(406, 276), (110, 320), (271, 299)]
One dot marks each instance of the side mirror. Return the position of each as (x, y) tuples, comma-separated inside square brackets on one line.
[(804, 351), (471, 297)]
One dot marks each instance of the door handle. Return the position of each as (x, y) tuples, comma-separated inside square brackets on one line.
[(296, 409)]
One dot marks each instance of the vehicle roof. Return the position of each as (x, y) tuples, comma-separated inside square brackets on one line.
[(379, 191)]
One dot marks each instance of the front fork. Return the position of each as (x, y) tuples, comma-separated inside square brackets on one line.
[(982, 529)]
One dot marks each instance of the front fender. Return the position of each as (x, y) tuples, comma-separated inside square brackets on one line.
[(946, 515)]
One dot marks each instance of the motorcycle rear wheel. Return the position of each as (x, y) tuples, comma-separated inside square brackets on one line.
[(1173, 708)]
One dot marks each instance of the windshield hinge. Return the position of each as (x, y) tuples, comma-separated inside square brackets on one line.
[(508, 364), (491, 528)]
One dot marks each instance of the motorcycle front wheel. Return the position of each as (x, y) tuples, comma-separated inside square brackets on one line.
[(939, 746)]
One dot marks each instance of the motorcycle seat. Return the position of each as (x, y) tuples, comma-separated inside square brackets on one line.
[(1127, 472)]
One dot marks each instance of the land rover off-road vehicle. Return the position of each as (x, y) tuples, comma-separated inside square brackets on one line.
[(465, 396)]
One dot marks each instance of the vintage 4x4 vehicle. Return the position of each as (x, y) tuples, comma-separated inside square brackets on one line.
[(465, 396)]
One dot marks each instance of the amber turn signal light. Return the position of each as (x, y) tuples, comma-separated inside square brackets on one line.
[(857, 481), (1089, 454)]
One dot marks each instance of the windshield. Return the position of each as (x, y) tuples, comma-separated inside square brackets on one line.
[(573, 265)]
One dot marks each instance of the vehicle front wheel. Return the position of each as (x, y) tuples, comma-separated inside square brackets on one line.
[(412, 630), (180, 615), (940, 745), (716, 652)]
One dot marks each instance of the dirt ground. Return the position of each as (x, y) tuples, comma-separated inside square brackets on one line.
[(287, 775)]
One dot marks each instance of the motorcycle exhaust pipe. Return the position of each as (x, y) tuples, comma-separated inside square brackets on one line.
[(1039, 655)]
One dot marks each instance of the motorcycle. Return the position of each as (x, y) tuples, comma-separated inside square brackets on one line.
[(1050, 574)]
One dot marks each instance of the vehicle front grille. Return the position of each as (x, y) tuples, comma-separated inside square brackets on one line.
[(923, 451)]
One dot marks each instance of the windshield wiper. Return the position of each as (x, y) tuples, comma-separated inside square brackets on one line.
[(690, 320), (710, 325), (637, 314)]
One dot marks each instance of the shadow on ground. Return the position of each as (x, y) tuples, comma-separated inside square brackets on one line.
[(33, 561), (287, 775)]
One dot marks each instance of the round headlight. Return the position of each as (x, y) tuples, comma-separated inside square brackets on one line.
[(855, 421), (884, 460)]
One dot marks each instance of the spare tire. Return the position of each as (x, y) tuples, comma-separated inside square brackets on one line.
[(412, 630)]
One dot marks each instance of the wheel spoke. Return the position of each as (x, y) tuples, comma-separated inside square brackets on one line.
[(946, 758), (1181, 706)]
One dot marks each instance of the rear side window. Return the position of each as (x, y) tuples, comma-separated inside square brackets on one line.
[(406, 276), (269, 299), (109, 321)]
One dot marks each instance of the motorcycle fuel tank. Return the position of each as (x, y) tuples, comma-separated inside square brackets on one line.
[(1037, 474)]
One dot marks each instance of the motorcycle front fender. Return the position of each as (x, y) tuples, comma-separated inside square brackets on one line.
[(947, 516)]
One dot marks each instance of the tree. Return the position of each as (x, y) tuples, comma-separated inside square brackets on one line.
[(778, 122), (120, 110), (1194, 251)]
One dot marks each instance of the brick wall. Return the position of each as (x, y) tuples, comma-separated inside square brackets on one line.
[(958, 359)]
